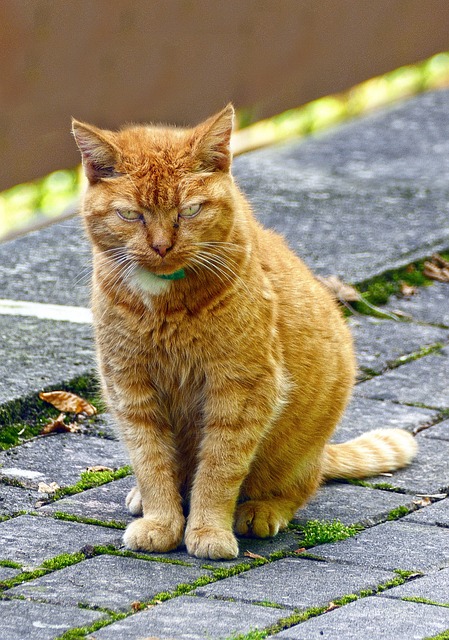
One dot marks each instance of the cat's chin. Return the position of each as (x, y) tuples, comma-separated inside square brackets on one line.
[(148, 282)]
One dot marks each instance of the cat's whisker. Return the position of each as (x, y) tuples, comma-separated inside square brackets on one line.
[(223, 245), (219, 261), (204, 264)]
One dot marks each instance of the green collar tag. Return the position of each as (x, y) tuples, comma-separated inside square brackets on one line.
[(177, 275)]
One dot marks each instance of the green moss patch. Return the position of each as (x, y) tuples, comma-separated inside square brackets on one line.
[(91, 479), (316, 532)]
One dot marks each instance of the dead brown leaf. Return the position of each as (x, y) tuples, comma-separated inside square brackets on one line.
[(437, 268), (301, 550), (440, 261), (68, 402), (422, 502), (99, 467), (43, 487), (254, 556), (136, 605), (59, 426), (407, 291), (342, 291)]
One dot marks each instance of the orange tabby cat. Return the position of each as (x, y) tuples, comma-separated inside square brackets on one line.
[(226, 363)]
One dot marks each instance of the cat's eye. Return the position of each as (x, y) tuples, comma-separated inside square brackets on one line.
[(190, 211), (129, 215)]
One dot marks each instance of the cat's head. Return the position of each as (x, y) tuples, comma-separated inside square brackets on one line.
[(156, 195)]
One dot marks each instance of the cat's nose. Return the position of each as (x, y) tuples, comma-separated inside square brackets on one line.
[(162, 248)]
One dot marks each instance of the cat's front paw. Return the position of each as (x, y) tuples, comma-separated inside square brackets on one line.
[(210, 542), (150, 534), (134, 502)]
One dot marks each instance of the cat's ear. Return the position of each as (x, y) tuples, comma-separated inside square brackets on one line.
[(212, 145), (98, 151)]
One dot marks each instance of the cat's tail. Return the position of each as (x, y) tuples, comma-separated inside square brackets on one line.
[(375, 452)]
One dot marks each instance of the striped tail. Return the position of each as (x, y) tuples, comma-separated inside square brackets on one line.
[(375, 452)]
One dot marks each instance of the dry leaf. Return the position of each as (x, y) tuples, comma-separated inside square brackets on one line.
[(99, 467), (69, 402), (408, 291), (59, 426), (422, 502), (136, 605), (301, 550), (254, 556), (437, 269), (342, 291), (43, 487), (332, 606), (440, 261)]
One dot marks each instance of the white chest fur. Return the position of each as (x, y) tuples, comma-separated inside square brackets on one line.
[(149, 283)]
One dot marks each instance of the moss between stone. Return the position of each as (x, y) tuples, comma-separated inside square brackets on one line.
[(10, 564), (441, 636), (379, 289), (91, 479), (68, 517), (425, 601), (381, 486), (399, 512), (416, 355), (48, 566), (110, 550)]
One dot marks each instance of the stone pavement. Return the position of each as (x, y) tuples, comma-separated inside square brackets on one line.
[(368, 196)]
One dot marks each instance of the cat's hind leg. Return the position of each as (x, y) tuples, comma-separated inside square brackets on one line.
[(270, 502)]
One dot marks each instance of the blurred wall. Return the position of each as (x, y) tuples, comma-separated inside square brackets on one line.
[(112, 61)]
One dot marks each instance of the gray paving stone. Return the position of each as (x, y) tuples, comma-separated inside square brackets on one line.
[(34, 621), (351, 505), (39, 353), (436, 513), (105, 503), (29, 540), (94, 582), (429, 304), (434, 587), (296, 583), (373, 619), (428, 473), (39, 460), (60, 255), (392, 545), (439, 431), (365, 414), (423, 381), (382, 172), (15, 499), (192, 618), (380, 343)]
